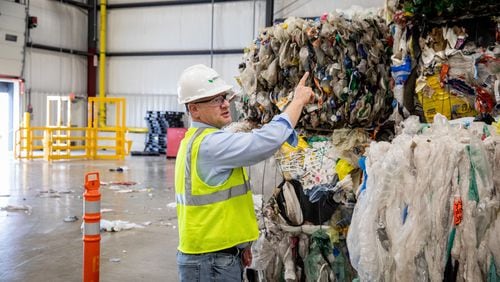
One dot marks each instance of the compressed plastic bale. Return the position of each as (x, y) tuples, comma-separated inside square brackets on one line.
[(290, 274), (471, 271), (402, 179), (367, 255), (303, 250), (315, 264), (248, 79), (285, 254), (304, 58), (482, 168), (262, 253), (444, 160), (301, 46), (496, 167), (488, 202), (493, 244), (415, 231), (411, 125)]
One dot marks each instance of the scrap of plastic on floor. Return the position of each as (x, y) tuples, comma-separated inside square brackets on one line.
[(117, 225), (15, 208)]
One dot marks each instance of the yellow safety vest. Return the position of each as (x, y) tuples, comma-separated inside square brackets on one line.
[(210, 218)]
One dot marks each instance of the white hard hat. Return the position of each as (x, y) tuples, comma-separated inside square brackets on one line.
[(199, 81)]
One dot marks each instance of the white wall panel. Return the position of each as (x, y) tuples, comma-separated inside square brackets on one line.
[(159, 75), (227, 66), (234, 21), (159, 28), (139, 104), (39, 104), (315, 8), (148, 75), (55, 72), (12, 25), (59, 25), (186, 27)]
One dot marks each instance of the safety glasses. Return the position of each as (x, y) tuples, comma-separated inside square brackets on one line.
[(219, 100)]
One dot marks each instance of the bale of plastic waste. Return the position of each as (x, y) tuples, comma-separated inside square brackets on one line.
[(348, 61)]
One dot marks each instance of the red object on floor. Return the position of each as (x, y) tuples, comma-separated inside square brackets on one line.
[(174, 137)]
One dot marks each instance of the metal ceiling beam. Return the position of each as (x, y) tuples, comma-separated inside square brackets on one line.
[(166, 3), (74, 3)]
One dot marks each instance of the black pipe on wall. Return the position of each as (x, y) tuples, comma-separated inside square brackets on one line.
[(92, 48), (57, 49), (135, 53), (174, 53)]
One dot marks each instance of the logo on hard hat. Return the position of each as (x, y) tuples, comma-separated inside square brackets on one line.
[(213, 79)]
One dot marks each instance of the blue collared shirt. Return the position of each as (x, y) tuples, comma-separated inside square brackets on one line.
[(222, 150)]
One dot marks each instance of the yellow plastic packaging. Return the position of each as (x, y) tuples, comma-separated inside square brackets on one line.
[(343, 168), (441, 101)]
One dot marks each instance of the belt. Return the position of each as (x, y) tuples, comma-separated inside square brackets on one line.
[(232, 251)]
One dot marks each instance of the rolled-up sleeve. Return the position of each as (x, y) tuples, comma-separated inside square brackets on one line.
[(226, 150)]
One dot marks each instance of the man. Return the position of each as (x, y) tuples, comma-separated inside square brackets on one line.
[(214, 200)]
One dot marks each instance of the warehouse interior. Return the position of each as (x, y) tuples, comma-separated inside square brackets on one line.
[(394, 177)]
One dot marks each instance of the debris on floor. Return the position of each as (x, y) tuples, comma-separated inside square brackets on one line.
[(114, 259), (168, 224), (71, 218), (172, 205), (4, 195), (106, 210), (26, 208), (130, 190), (125, 183), (51, 193), (119, 169), (118, 225)]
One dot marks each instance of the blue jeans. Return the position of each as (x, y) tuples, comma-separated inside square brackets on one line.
[(211, 267)]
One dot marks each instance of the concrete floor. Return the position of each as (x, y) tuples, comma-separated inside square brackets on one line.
[(41, 246)]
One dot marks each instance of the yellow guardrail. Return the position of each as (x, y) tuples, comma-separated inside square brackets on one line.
[(57, 143), (96, 141)]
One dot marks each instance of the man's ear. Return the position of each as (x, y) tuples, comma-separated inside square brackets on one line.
[(193, 110)]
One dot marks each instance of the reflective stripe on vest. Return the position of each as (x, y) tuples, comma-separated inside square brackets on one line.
[(198, 200)]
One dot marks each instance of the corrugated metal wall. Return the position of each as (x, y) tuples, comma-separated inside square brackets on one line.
[(147, 82), (39, 102), (12, 25), (50, 73), (315, 8), (150, 82)]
